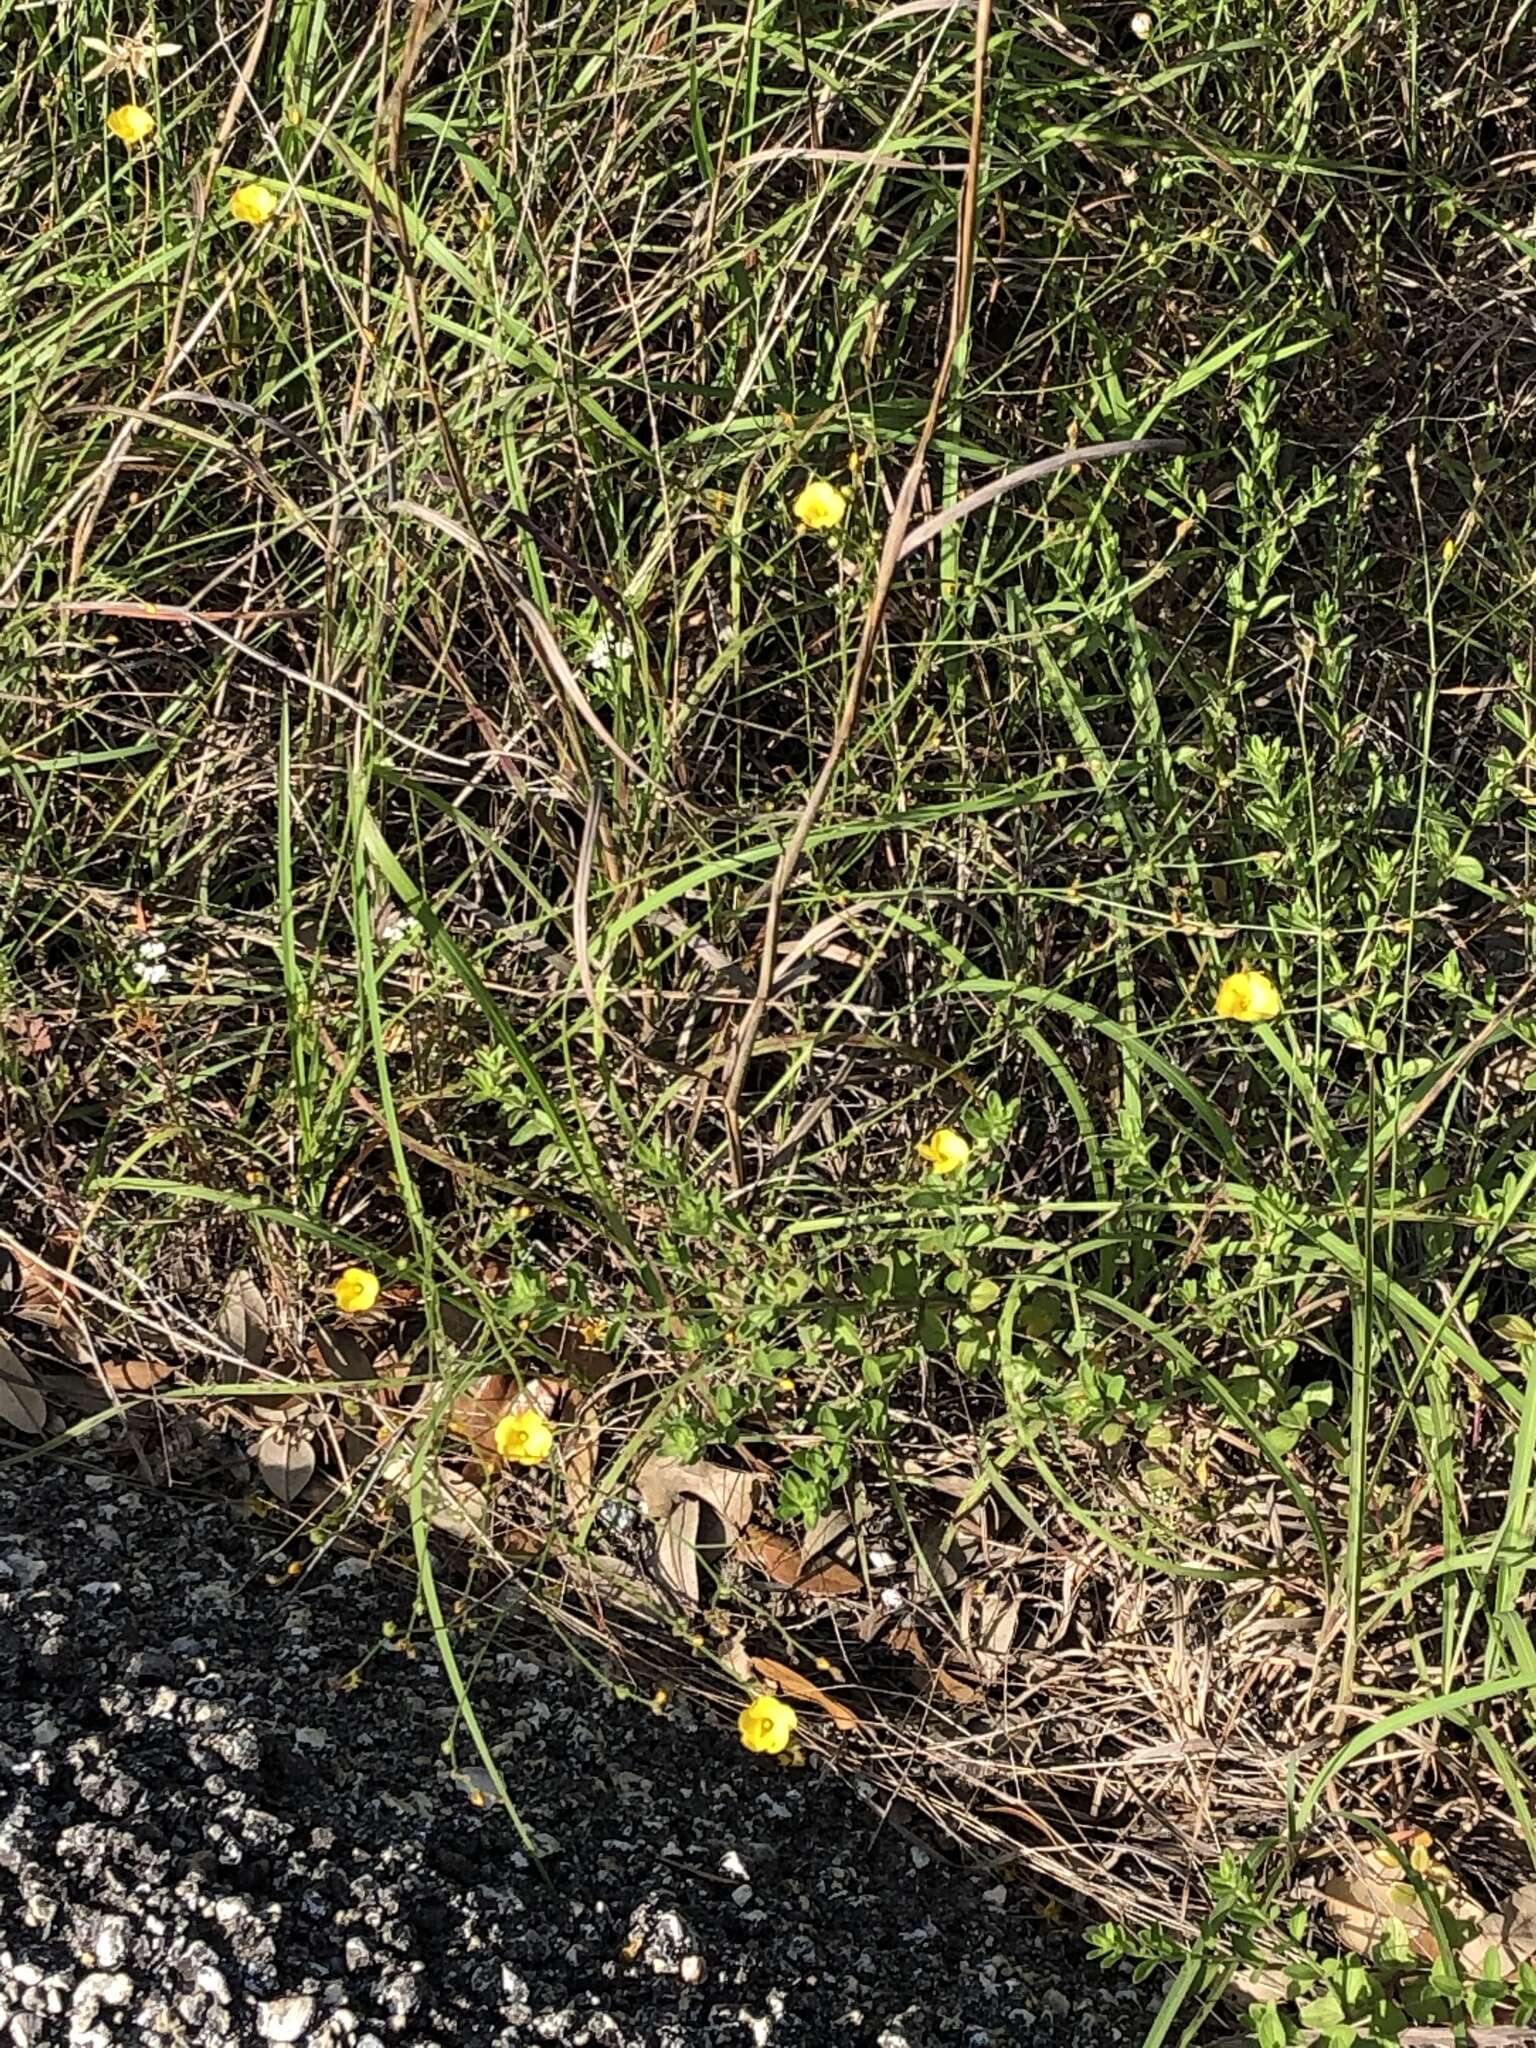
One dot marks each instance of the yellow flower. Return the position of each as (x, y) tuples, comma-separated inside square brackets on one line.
[(524, 1438), (767, 1724), (357, 1290), (820, 506), (946, 1151), (131, 123), (1249, 997), (253, 204)]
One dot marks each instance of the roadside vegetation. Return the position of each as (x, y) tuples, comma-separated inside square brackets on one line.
[(920, 1129)]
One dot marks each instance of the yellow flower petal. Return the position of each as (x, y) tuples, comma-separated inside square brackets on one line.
[(820, 506), (945, 1151), (767, 1724), (253, 204), (357, 1290), (524, 1437), (131, 123), (1248, 998)]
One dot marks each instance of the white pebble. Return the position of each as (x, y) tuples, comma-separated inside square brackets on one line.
[(100, 1987), (285, 2019)]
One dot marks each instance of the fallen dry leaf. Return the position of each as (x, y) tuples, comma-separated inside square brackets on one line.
[(286, 1463), (677, 1551), (342, 1354), (1362, 1901), (47, 1296), (460, 1508), (30, 1032), (789, 1682), (1508, 1934), (782, 1559), (22, 1403), (773, 1553), (908, 1643), (660, 1481), (830, 1581), (989, 1622), (476, 1412), (242, 1321), (134, 1375)]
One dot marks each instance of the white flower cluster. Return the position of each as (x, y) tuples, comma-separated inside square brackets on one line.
[(151, 962), (609, 650)]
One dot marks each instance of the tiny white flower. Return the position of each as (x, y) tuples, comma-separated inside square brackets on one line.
[(153, 972), (151, 949), (608, 649), (394, 929), (1142, 24)]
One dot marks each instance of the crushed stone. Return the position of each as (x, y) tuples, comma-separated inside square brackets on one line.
[(204, 1838)]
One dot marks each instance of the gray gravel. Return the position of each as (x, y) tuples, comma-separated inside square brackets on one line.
[(203, 1840)]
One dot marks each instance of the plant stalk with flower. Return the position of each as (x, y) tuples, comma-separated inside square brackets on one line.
[(1248, 997), (767, 1724), (357, 1290), (820, 506), (524, 1437), (131, 124), (945, 1150), (253, 205)]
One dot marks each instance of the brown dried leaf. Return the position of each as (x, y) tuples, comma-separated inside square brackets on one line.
[(49, 1297), (342, 1354), (242, 1319), (989, 1622), (23, 1405), (286, 1463), (1362, 1901), (830, 1581), (461, 1507), (1508, 1934), (661, 1481), (789, 1682), (578, 1458), (908, 1643), (134, 1375), (30, 1032), (776, 1554), (677, 1554), (781, 1558), (476, 1412), (276, 1407)]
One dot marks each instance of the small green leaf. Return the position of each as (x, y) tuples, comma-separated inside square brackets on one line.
[(1322, 2013)]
